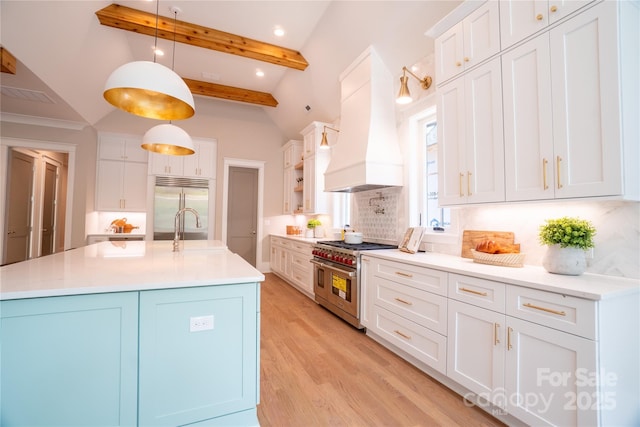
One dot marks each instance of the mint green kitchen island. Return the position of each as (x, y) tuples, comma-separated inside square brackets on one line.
[(130, 333)]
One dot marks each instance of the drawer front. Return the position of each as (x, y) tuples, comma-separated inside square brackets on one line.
[(424, 308), (417, 277), (302, 248), (480, 292), (303, 278), (427, 346), (569, 314), (301, 262)]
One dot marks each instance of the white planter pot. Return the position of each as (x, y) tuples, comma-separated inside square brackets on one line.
[(568, 261), (308, 233)]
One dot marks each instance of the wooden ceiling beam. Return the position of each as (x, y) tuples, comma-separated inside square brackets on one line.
[(8, 61), (230, 93), (141, 22)]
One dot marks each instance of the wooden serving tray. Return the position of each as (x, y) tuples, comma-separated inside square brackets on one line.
[(470, 238)]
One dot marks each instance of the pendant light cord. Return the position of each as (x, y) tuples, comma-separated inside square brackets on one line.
[(173, 55), (155, 43)]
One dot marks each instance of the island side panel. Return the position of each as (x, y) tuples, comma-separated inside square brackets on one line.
[(69, 360), (198, 352)]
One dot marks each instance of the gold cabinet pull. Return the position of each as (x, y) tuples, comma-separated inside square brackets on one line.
[(545, 163), (539, 17), (469, 183), (471, 291), (400, 273), (509, 346), (458, 64), (402, 335), (548, 310), (466, 59), (403, 301), (554, 8), (461, 192), (558, 160), (496, 340)]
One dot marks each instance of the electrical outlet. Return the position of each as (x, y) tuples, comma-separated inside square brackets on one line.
[(200, 323)]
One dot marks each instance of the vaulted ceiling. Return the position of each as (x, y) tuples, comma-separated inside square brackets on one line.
[(65, 51)]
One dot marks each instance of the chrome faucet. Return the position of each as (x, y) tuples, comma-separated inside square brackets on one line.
[(176, 226)]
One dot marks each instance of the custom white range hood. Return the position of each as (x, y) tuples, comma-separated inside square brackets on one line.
[(366, 155)]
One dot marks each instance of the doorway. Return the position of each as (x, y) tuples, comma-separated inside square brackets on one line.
[(49, 211), (19, 215), (242, 208)]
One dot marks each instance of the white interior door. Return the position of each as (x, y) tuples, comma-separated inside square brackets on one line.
[(19, 208)]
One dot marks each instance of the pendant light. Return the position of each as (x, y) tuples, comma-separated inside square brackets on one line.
[(149, 89), (167, 138), (324, 143)]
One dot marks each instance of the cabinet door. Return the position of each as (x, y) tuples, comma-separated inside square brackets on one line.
[(451, 136), (521, 18), (109, 185), (476, 350), (528, 135), (551, 376), (162, 164), (134, 188), (198, 353), (586, 104), (287, 191), (449, 53), (201, 164), (70, 360), (484, 142), (481, 34)]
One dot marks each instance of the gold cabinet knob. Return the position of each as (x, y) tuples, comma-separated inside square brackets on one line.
[(466, 59), (458, 64), (539, 17), (554, 8)]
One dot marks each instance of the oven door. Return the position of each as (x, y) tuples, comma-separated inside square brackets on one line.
[(336, 286)]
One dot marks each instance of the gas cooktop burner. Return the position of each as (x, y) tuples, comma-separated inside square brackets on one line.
[(364, 246)]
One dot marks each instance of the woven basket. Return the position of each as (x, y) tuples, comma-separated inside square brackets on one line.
[(503, 260)]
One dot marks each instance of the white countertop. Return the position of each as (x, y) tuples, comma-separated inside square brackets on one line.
[(588, 286), (126, 266)]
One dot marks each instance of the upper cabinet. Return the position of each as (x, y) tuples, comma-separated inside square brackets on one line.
[(564, 109), (316, 160), (201, 164), (470, 148), (570, 129), (293, 176), (522, 18), (121, 174), (468, 43)]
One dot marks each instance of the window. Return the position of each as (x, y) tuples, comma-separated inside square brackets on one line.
[(435, 215)]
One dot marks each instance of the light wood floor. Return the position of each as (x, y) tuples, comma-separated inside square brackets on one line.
[(316, 370)]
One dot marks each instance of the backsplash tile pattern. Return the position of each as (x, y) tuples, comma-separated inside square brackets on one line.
[(377, 219)]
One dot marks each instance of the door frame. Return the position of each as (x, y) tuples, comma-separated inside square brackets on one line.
[(249, 164), (6, 144)]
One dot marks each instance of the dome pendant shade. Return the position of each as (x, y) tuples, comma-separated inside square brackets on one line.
[(404, 97), (151, 90), (168, 139)]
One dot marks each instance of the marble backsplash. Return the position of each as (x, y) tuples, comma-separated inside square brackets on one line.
[(379, 216)]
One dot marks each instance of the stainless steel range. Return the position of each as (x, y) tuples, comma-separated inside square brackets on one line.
[(336, 275)]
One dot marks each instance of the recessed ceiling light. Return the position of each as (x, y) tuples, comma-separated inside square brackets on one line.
[(278, 31), (259, 73)]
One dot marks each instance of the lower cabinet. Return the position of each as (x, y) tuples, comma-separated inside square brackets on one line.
[(290, 259), (540, 357), (165, 357), (399, 310)]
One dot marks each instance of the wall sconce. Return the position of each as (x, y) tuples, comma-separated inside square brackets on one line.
[(404, 96), (324, 144)]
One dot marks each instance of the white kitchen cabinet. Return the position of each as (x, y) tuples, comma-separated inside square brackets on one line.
[(467, 44), (522, 18), (316, 160), (470, 137), (292, 178), (400, 309), (561, 139), (290, 260), (121, 186), (201, 164), (121, 147), (121, 177)]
